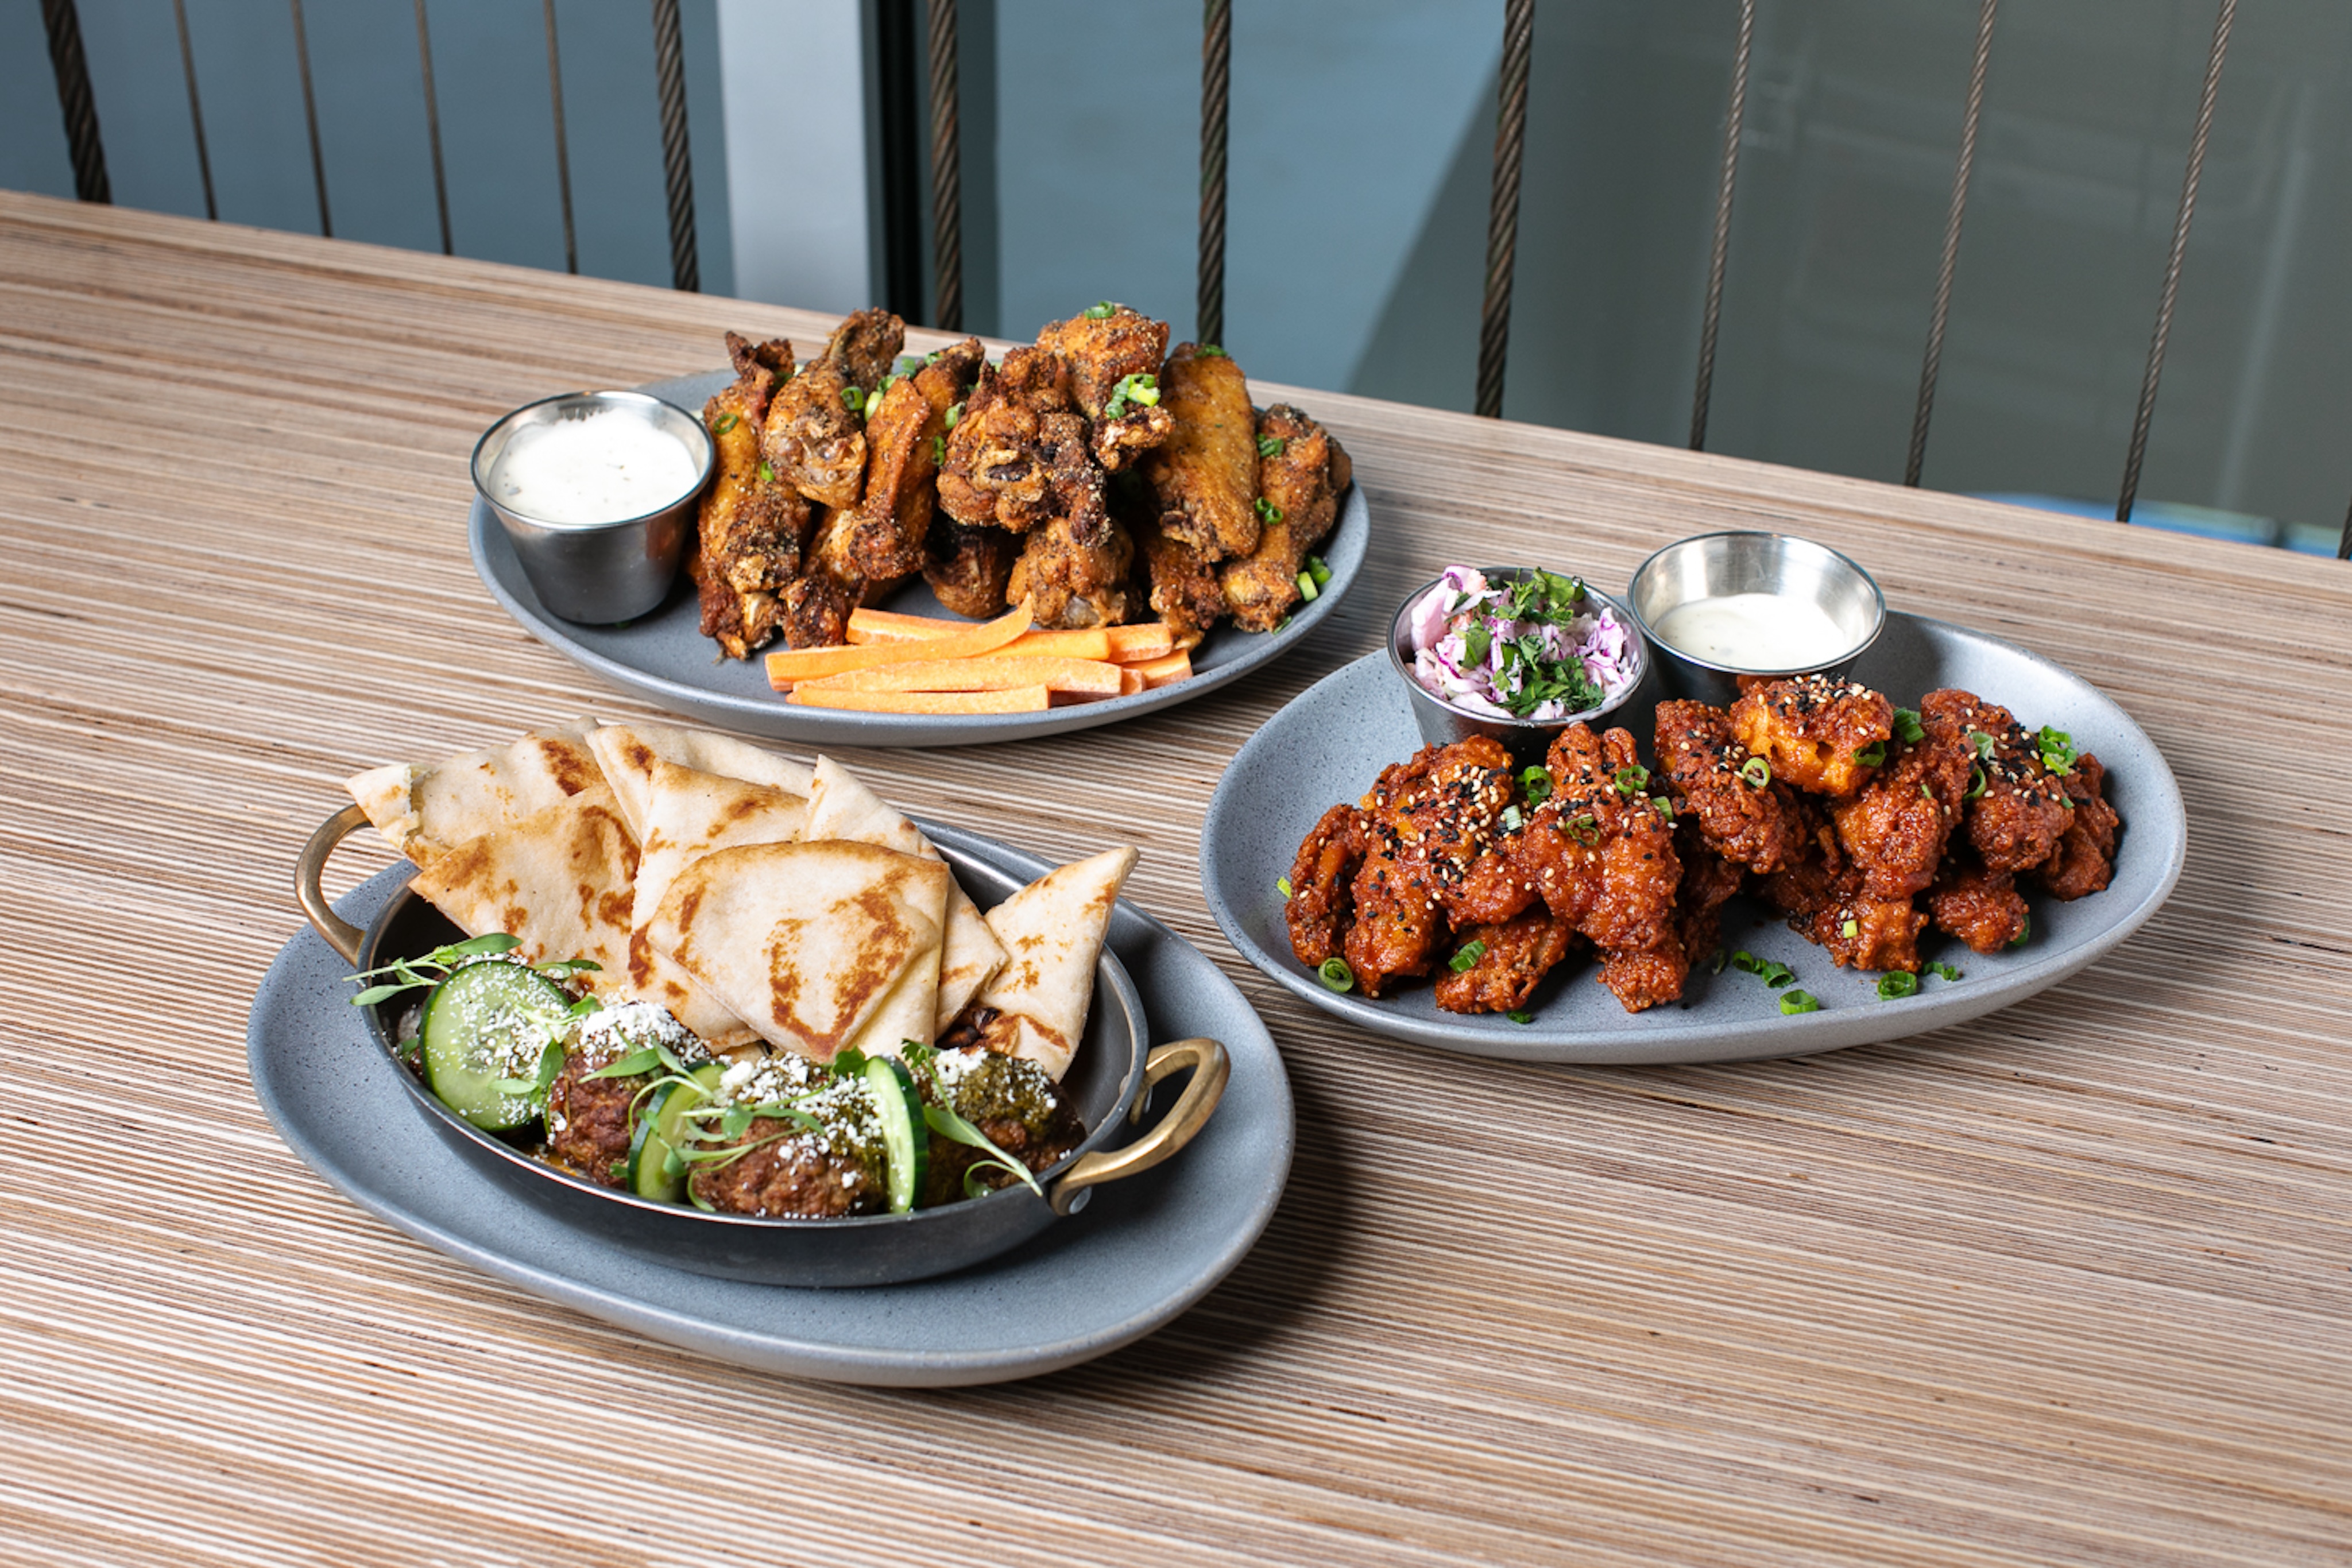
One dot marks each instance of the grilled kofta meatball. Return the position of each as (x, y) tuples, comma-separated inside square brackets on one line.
[(1016, 1106), (590, 1119)]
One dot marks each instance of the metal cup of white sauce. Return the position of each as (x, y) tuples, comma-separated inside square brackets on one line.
[(1719, 606), (596, 491)]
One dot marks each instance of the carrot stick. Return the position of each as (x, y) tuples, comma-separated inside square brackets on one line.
[(887, 626), (813, 663), (1020, 699), (1159, 671), (994, 673), (1092, 643), (1149, 640)]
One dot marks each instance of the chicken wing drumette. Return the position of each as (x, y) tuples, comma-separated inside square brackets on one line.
[(1813, 730), (813, 437), (752, 525), (1425, 820)]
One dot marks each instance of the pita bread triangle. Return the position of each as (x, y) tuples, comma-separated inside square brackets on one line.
[(425, 808), (842, 806), (627, 753), (807, 942), (687, 814), (559, 880), (1053, 932)]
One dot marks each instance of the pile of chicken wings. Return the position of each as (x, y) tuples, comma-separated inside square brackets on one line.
[(1838, 810), (1092, 476)]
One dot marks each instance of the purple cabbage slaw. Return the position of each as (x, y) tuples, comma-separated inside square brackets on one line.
[(1441, 624)]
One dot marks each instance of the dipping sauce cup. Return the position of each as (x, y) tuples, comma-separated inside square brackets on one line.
[(596, 491), (1829, 610)]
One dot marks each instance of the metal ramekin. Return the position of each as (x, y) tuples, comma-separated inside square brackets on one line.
[(1711, 566), (599, 572), (1526, 739)]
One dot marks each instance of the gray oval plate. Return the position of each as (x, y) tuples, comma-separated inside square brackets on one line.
[(1142, 1250), (1331, 742), (664, 658)]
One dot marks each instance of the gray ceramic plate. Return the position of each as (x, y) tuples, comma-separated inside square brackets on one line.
[(1330, 742), (664, 658), (1143, 1251)]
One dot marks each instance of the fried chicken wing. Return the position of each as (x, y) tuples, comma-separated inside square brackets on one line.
[(1708, 882), (905, 438), (1980, 907), (968, 568), (866, 345), (1603, 860), (812, 437), (996, 472), (1508, 962), (1425, 820), (1294, 477), (1756, 825), (2015, 820), (1861, 932), (751, 527), (1105, 354), (1894, 828), (1068, 584), (2084, 860), (1322, 899), (1205, 474), (1813, 730), (1184, 589)]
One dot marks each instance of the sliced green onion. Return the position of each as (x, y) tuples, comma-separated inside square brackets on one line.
[(1306, 588), (1983, 742), (1267, 512), (2024, 929), (1907, 727), (1583, 828), (1756, 772), (1463, 962), (767, 474), (1894, 984), (1944, 971), (1871, 756), (852, 399), (887, 381), (1663, 807), (1210, 351), (1800, 1002), (2057, 748), (727, 423), (1746, 963), (1716, 964), (1851, 928), (939, 450), (1101, 310), (1315, 564), (1137, 388), (955, 414), (1335, 974), (1536, 784), (1511, 819), (907, 365), (1270, 445), (1517, 1016), (1926, 793), (1632, 780), (1976, 782), (1281, 886)]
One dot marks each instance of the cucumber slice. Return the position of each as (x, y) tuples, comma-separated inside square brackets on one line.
[(482, 1026), (906, 1140), (660, 1129)]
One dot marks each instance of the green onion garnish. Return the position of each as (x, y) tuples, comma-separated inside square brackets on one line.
[(1907, 727), (2057, 748), (1101, 310), (1210, 351), (2024, 929), (1267, 512), (1894, 984), (852, 399), (1536, 784), (955, 414), (1756, 772), (767, 474), (1583, 828), (1270, 445), (1306, 588), (1663, 807), (1322, 573), (1511, 819), (727, 423), (1800, 1002), (1137, 388), (1944, 971), (1517, 1016), (1871, 756), (1983, 742), (1976, 782), (939, 451), (1335, 974), (1851, 928), (1282, 885), (1632, 780), (1463, 962), (907, 365)]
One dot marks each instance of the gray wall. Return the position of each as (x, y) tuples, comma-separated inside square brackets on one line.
[(1361, 135)]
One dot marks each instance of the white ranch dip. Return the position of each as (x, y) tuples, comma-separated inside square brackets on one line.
[(606, 468), (1756, 631)]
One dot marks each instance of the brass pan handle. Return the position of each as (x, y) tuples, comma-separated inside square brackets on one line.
[(342, 935), (1211, 1067)]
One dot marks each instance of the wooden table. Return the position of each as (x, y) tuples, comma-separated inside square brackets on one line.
[(2068, 1285)]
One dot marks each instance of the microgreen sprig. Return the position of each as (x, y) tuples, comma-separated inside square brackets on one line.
[(947, 1124)]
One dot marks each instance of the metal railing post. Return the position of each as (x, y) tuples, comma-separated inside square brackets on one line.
[(1216, 92), (562, 142), (1931, 364), (74, 96), (944, 43), (1503, 207), (678, 157), (196, 108)]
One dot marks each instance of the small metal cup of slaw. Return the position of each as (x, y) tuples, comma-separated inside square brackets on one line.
[(1475, 686), (589, 564)]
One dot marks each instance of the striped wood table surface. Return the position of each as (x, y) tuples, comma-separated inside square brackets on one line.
[(2070, 1284)]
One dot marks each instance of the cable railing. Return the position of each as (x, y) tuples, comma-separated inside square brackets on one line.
[(906, 113)]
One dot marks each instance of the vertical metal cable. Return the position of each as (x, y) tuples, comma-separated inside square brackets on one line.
[(2344, 544), (1503, 210), (74, 96), (562, 144), (196, 108), (947, 168), (432, 127), (678, 160), (1931, 366), (898, 116), (2147, 411), (1216, 92), (310, 118), (1713, 314)]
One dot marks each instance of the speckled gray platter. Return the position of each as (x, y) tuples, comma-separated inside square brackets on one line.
[(664, 658), (1331, 742), (1139, 1253)]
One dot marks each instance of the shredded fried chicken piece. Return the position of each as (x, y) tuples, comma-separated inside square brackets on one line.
[(1980, 907), (2084, 861), (2014, 823), (1425, 819), (1511, 959)]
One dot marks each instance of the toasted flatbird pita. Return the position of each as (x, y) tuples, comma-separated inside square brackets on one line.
[(425, 808), (628, 751), (808, 942), (840, 807), (1053, 931), (686, 814), (559, 880)]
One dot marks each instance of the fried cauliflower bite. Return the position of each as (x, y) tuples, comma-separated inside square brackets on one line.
[(1601, 856), (2014, 821), (1861, 932), (1506, 963), (1895, 827), (2084, 860), (1980, 907), (1425, 820), (1814, 731), (1756, 825)]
